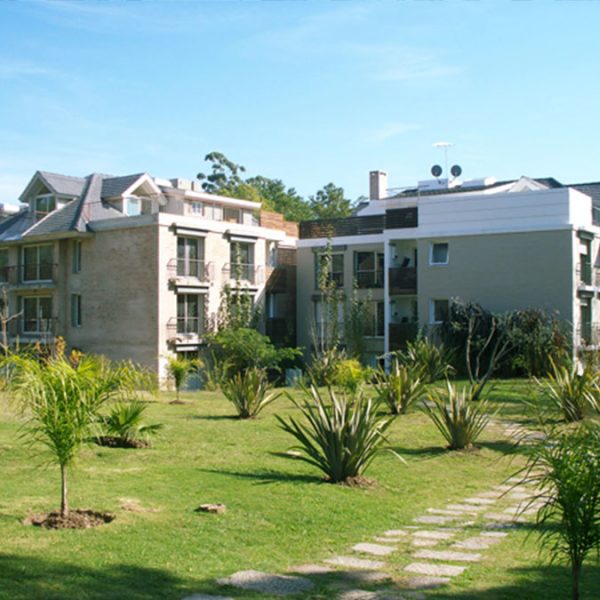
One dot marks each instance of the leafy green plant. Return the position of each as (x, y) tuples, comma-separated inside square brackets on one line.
[(566, 473), (124, 425), (458, 419), (249, 392), (62, 399), (569, 391), (179, 369), (349, 375), (340, 437), (400, 388), (324, 364), (431, 360)]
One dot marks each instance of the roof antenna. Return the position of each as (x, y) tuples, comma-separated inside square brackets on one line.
[(436, 170)]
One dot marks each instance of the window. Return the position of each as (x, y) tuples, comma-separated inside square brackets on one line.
[(214, 212), (375, 325), (336, 269), (368, 269), (132, 206), (190, 257), (438, 311), (37, 314), (4, 268), (196, 208), (438, 253), (232, 215), (241, 257), (37, 263), (43, 205), (76, 256), (190, 314), (75, 310)]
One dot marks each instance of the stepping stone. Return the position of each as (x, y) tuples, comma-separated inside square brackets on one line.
[(389, 540), (465, 507), (435, 570), (519, 496), (476, 543), (362, 576), (434, 519), (434, 535), (478, 500), (424, 542), (426, 583), (395, 532), (447, 555), (354, 563), (492, 494), (311, 569), (444, 511), (207, 597), (267, 583), (504, 488), (503, 518), (494, 534), (376, 549), (380, 595)]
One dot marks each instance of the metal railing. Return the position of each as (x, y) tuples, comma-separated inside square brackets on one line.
[(248, 272), (186, 327), (39, 327), (29, 273), (195, 268), (403, 280)]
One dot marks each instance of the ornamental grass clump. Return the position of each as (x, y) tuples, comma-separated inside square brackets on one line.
[(458, 419), (433, 361), (248, 391), (339, 436), (570, 391), (566, 473), (399, 389), (124, 426)]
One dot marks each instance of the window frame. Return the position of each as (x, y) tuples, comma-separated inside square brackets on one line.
[(37, 264), (377, 273), (76, 256), (432, 310), (37, 319), (76, 311), (432, 246), (336, 276)]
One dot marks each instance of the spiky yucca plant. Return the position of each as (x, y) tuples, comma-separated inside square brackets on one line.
[(399, 389), (432, 360), (458, 420), (570, 391), (249, 392), (340, 437), (125, 422)]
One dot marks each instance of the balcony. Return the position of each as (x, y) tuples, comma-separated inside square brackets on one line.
[(400, 334), (180, 268), (369, 279), (186, 330), (29, 275), (38, 329), (403, 281), (244, 272)]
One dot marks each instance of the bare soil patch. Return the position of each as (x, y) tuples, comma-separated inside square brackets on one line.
[(76, 519), (117, 442)]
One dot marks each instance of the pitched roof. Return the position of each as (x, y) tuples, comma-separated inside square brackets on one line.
[(115, 186), (63, 184)]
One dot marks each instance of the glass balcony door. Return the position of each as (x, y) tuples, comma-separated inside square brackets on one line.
[(190, 314), (37, 262), (190, 257), (37, 314)]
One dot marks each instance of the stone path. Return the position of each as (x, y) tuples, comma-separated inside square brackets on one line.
[(437, 543)]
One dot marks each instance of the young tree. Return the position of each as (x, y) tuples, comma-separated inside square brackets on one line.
[(62, 397), (330, 203), (179, 369)]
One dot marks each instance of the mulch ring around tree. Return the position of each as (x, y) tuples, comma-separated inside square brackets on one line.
[(76, 519), (117, 442)]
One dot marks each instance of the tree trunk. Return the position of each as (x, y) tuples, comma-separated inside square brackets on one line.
[(575, 573), (64, 502)]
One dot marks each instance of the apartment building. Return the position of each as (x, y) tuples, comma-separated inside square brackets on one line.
[(133, 267), (527, 243)]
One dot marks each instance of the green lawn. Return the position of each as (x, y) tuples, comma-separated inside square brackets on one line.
[(279, 513)]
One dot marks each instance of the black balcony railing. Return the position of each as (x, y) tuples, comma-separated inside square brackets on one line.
[(248, 272), (37, 273), (194, 268), (369, 279), (403, 280)]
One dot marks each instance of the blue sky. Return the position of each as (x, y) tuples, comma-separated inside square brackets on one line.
[(306, 91)]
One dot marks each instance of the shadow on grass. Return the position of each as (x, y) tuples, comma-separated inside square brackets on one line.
[(531, 583), (424, 453), (26, 577), (215, 418), (266, 477)]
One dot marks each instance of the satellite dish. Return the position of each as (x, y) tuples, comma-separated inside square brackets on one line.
[(436, 170), (456, 170)]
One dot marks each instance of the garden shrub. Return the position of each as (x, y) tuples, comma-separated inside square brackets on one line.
[(400, 388)]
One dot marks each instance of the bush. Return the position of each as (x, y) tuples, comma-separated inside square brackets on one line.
[(341, 438), (569, 391), (431, 360), (248, 392), (400, 388), (349, 375), (458, 419), (566, 471), (124, 425), (323, 366)]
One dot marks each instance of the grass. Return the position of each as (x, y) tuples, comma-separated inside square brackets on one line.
[(279, 513)]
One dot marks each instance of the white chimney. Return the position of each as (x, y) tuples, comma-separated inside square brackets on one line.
[(378, 185)]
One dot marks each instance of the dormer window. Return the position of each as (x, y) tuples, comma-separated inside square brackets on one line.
[(42, 205), (132, 206)]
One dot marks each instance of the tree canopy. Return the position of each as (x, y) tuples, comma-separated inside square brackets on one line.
[(225, 178)]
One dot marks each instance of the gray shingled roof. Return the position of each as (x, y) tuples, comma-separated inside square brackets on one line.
[(63, 184), (115, 186)]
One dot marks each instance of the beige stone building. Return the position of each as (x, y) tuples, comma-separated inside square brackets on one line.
[(133, 267), (506, 245)]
